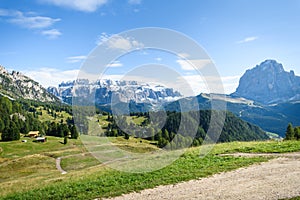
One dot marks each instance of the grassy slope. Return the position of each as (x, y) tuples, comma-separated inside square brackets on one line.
[(53, 147), (26, 166), (258, 147), (136, 120), (92, 180), (46, 117), (27, 170), (103, 121)]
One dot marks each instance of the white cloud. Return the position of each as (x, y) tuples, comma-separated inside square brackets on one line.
[(52, 33), (28, 20), (248, 39), (134, 1), (211, 84), (76, 59), (230, 83), (31, 20), (183, 55), (80, 5), (115, 64), (119, 42), (51, 77), (7, 13), (188, 65), (188, 85)]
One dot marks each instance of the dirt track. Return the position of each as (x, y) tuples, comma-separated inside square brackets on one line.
[(276, 179)]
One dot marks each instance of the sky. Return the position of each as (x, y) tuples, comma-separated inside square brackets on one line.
[(48, 40)]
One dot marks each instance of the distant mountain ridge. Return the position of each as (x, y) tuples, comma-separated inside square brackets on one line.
[(269, 83), (16, 85), (267, 96), (105, 91), (271, 118)]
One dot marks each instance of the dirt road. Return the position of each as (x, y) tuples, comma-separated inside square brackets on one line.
[(277, 179)]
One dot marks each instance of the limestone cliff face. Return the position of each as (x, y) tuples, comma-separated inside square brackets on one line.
[(268, 83), (16, 85), (107, 91)]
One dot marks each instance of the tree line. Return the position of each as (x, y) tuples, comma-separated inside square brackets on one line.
[(16, 118), (182, 130), (292, 133)]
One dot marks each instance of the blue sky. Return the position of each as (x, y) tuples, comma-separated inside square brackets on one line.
[(48, 39)]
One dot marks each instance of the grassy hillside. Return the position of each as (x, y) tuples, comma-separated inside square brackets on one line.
[(28, 169), (179, 130), (44, 115), (25, 166)]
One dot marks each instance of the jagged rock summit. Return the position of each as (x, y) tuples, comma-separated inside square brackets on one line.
[(269, 83), (16, 85)]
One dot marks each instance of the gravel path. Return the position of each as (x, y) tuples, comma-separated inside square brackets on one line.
[(58, 167), (277, 179)]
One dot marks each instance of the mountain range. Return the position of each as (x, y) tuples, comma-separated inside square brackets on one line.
[(267, 95), (105, 91)]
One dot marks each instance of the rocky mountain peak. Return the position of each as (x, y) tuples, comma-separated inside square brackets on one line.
[(271, 66), (268, 83), (2, 70), (16, 85)]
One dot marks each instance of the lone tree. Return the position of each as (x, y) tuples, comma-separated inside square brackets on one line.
[(74, 132), (126, 136), (65, 140), (290, 134)]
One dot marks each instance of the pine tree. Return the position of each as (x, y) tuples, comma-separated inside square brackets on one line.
[(15, 132), (6, 134), (158, 136), (5, 105), (65, 130), (126, 136), (74, 132), (297, 133), (2, 126), (10, 133), (162, 142), (24, 127), (152, 133), (65, 140), (165, 134), (289, 134)]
